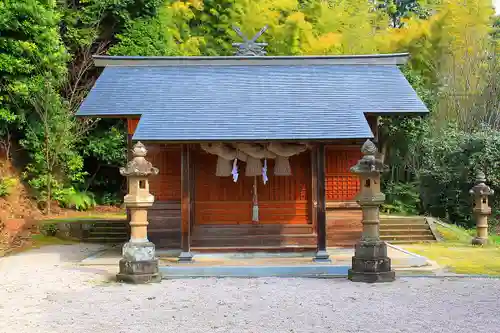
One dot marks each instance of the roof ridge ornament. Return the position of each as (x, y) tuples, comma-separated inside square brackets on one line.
[(250, 47)]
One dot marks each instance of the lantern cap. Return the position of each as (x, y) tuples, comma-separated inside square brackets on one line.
[(370, 162), (480, 187), (139, 166)]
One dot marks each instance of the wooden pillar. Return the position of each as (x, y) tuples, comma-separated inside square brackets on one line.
[(130, 134), (314, 187), (321, 253), (192, 183), (186, 203)]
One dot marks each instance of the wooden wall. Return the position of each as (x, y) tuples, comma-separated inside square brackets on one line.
[(165, 216), (340, 184), (343, 225), (282, 200), (219, 200)]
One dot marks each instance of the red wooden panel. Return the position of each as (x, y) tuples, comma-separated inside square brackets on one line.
[(167, 184), (340, 183)]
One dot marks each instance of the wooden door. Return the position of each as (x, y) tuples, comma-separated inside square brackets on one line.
[(283, 200)]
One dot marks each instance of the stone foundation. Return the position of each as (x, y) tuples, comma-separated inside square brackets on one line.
[(139, 263), (139, 272), (479, 241), (371, 263)]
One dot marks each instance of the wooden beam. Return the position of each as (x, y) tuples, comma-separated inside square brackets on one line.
[(321, 253), (186, 200), (192, 183), (314, 187), (129, 158)]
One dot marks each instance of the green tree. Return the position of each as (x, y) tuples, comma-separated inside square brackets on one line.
[(148, 37), (399, 10), (51, 136), (213, 20), (29, 45), (93, 27), (90, 27)]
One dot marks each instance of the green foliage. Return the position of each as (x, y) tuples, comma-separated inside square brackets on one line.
[(46, 70), (399, 10), (402, 198), (49, 229), (148, 37), (110, 199), (213, 20), (450, 160), (104, 150), (50, 139), (84, 22), (81, 201), (6, 185), (106, 144), (29, 46)]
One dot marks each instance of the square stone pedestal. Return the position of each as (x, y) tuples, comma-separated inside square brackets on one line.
[(479, 241), (139, 264), (371, 264)]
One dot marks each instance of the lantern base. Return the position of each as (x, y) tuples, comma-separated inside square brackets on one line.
[(371, 264), (139, 264), (138, 272), (479, 241)]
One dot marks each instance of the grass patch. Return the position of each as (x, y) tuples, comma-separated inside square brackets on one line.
[(454, 234), (461, 258), (457, 254), (495, 239)]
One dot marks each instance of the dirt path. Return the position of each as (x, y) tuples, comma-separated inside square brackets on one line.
[(44, 291)]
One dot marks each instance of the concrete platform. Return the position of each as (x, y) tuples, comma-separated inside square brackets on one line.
[(262, 264)]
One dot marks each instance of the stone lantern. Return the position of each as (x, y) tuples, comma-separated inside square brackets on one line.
[(481, 210), (139, 263), (370, 262)]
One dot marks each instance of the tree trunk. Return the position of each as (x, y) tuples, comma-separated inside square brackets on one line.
[(49, 194)]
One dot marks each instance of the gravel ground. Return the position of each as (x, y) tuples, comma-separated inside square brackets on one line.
[(43, 291)]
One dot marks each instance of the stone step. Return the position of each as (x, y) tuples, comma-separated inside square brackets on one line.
[(107, 240), (410, 242), (109, 229), (410, 226), (386, 221), (124, 225), (111, 234), (404, 232), (408, 238)]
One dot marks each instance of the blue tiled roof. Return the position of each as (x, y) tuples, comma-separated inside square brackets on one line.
[(241, 102)]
